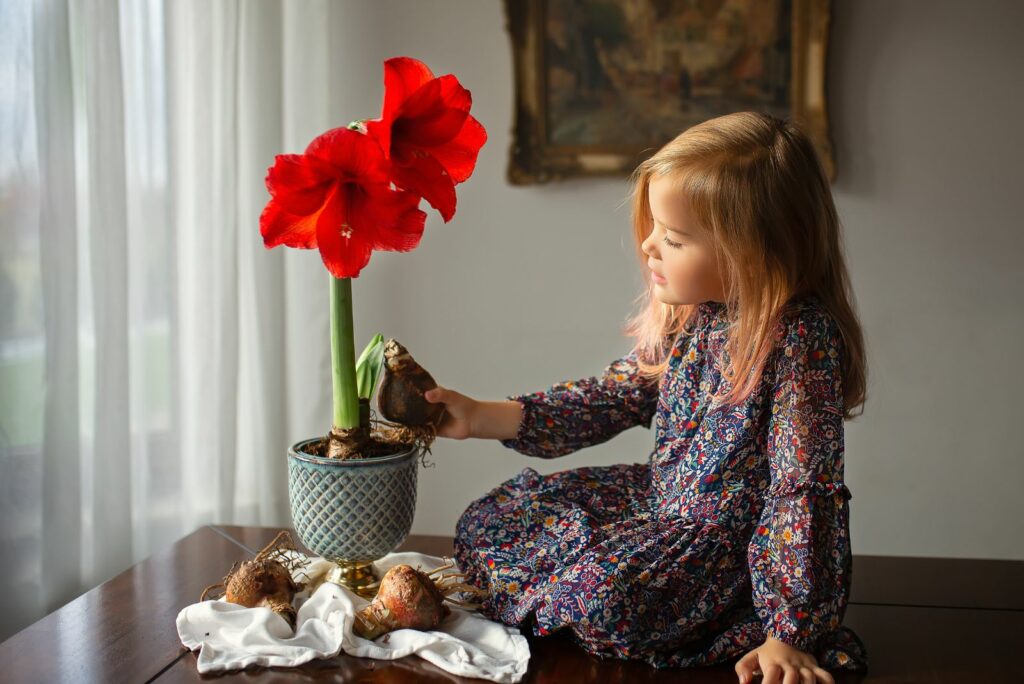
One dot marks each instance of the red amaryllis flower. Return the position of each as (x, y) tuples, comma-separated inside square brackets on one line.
[(337, 197), (427, 132)]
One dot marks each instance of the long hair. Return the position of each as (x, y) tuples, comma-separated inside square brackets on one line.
[(756, 186)]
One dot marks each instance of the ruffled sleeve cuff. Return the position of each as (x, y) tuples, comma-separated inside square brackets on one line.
[(527, 440), (798, 628), (791, 487)]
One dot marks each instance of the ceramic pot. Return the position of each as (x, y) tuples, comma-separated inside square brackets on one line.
[(352, 511)]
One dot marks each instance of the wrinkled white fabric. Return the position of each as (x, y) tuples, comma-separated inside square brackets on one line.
[(230, 636)]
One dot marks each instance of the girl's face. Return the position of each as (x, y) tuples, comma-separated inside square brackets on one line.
[(683, 265)]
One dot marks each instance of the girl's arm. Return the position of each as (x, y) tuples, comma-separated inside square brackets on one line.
[(495, 419), (574, 414), (799, 555)]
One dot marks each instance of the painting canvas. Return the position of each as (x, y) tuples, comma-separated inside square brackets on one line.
[(602, 83)]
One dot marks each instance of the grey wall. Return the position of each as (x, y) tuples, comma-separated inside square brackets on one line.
[(527, 286)]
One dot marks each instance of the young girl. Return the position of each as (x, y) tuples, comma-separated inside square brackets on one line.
[(732, 540)]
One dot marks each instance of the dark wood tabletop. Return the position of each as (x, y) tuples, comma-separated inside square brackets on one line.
[(922, 620)]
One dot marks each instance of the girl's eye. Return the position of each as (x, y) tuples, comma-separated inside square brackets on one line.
[(670, 243)]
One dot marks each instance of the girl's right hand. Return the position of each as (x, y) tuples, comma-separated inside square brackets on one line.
[(460, 409)]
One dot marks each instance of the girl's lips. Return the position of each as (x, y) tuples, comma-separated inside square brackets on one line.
[(657, 278)]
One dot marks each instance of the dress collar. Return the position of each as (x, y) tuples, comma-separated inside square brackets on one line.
[(712, 314), (711, 309)]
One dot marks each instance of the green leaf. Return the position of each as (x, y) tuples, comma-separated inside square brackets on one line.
[(369, 365)]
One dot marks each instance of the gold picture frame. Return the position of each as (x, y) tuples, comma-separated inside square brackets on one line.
[(579, 63)]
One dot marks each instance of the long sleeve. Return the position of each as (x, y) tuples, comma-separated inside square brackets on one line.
[(571, 415), (799, 555)]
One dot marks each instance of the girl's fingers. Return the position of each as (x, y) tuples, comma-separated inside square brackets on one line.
[(745, 667), (823, 675), (780, 672)]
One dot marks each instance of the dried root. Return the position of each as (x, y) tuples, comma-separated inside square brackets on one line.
[(266, 580), (452, 583), (422, 436)]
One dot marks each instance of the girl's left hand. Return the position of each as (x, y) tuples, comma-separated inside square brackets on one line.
[(781, 664)]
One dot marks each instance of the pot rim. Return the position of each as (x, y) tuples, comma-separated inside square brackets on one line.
[(294, 451)]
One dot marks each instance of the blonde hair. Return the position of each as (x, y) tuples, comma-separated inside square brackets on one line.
[(756, 185)]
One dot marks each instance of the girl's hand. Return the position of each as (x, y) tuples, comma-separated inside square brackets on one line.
[(781, 664), (458, 417)]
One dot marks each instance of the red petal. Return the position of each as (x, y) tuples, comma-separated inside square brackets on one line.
[(343, 256), (278, 227), (380, 131), (402, 77), (459, 155), (418, 172), (298, 182), (393, 217), (434, 114), (354, 156)]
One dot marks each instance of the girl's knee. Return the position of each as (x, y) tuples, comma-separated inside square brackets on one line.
[(467, 521), (478, 523)]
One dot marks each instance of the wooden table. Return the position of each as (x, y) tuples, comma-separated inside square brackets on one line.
[(922, 619)]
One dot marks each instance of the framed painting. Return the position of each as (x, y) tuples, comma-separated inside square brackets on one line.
[(602, 84)]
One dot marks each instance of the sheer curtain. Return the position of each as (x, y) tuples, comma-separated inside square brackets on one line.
[(154, 357)]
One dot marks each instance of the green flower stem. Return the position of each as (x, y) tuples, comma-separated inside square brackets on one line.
[(343, 355)]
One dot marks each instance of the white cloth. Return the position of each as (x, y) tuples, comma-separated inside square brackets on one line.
[(230, 636)]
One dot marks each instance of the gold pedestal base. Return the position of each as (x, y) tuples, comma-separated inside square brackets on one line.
[(356, 576)]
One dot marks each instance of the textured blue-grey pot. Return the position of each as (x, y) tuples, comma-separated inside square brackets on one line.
[(355, 510)]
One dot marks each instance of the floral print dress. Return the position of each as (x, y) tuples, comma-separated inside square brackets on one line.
[(736, 527)]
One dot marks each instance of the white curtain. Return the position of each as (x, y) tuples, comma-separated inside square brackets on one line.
[(155, 358)]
